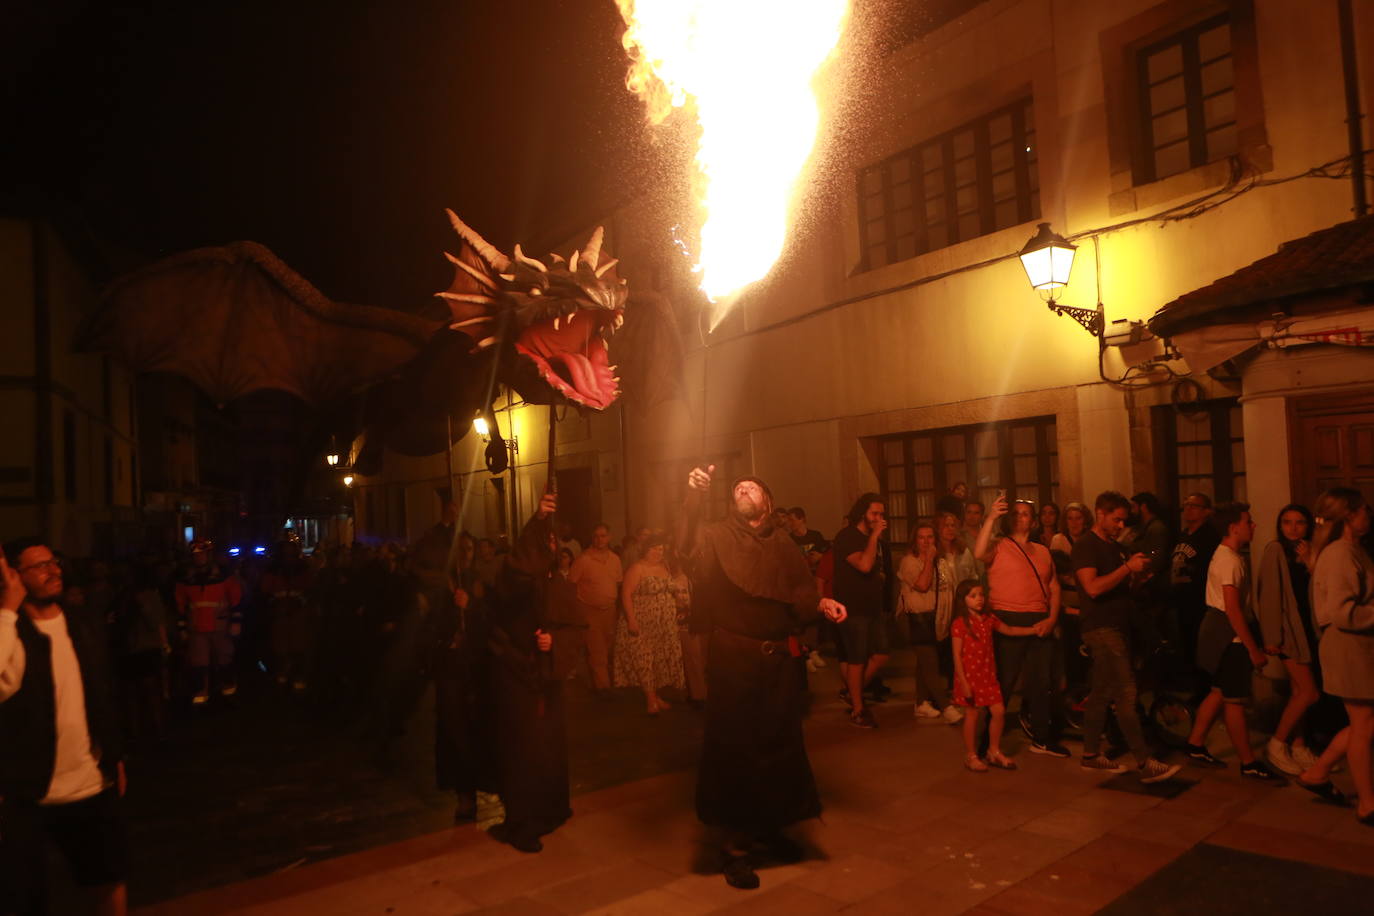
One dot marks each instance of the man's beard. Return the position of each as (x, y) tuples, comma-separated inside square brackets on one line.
[(749, 510)]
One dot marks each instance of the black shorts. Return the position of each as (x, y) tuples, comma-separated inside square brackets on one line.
[(861, 638), (90, 834), (1235, 674)]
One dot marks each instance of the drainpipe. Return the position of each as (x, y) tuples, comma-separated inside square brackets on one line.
[(1350, 70)]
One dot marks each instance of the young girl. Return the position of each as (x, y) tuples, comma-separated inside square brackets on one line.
[(975, 673)]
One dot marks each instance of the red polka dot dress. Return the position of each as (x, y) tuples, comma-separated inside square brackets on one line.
[(979, 667)]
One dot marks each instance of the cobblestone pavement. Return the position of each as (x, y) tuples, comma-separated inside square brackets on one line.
[(906, 830)]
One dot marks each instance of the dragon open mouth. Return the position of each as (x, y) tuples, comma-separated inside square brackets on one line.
[(571, 356)]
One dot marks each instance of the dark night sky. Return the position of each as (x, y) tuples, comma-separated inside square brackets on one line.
[(333, 133)]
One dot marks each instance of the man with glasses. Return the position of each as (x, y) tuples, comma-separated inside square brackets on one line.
[(1192, 554), (61, 768)]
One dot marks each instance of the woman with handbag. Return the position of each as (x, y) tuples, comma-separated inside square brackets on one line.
[(916, 602), (1023, 591)]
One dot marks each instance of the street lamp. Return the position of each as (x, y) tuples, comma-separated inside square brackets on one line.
[(332, 459), (1048, 260), (479, 425), (348, 480)]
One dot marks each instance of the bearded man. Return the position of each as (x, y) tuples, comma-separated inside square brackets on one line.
[(754, 584)]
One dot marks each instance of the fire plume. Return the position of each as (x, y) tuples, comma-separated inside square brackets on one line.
[(746, 70)]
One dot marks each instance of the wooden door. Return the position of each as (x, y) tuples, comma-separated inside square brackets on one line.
[(1334, 445)]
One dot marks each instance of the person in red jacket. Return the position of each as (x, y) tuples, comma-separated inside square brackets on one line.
[(208, 613)]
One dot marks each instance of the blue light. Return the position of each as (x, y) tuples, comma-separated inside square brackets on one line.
[(259, 550), (234, 551)]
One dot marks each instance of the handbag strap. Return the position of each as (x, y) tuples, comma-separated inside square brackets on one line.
[(1035, 572)]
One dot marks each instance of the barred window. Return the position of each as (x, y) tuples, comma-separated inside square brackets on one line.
[(1187, 89), (1019, 456), (973, 180), (1203, 450)]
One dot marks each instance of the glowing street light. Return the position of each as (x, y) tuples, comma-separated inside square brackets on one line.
[(479, 425), (1048, 260), (332, 458), (348, 480)]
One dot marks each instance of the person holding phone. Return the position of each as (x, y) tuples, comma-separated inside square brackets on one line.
[(1023, 591)]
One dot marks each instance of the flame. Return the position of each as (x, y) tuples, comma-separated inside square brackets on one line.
[(746, 69)]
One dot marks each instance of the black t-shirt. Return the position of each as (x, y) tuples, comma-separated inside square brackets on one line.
[(1111, 608), (862, 594), (813, 540), (1188, 569)]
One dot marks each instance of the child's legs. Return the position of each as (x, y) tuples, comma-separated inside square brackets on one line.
[(971, 720)]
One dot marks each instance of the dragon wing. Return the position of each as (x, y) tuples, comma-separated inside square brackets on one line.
[(235, 319)]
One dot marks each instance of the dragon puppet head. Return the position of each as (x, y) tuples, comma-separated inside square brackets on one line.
[(556, 317)]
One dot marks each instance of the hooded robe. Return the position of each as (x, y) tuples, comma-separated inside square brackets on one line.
[(757, 590)]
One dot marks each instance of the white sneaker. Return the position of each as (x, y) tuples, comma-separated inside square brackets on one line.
[(953, 714), (816, 659), (1302, 756), (1279, 756), (925, 711)]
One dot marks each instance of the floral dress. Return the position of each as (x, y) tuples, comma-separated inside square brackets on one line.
[(653, 659), (979, 668)]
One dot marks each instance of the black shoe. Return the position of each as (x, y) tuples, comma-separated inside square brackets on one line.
[(879, 690), (739, 872), (515, 839), (876, 696), (1258, 769), (1327, 792), (1049, 749), (1114, 751), (1202, 757)]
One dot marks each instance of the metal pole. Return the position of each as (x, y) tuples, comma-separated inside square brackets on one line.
[(1350, 70)]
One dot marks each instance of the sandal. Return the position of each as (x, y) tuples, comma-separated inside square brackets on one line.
[(975, 764), (1001, 762), (1326, 791)]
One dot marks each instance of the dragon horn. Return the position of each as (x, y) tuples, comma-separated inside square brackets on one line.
[(466, 297), (476, 274), (529, 262), (488, 251), (572, 262), (604, 268), (591, 253)]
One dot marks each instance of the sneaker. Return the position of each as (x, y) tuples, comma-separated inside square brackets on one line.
[(739, 872), (1049, 749), (1101, 764), (1202, 757), (953, 714), (1302, 756), (876, 694), (863, 719), (816, 659), (1258, 769), (1023, 721), (1154, 770), (925, 711), (1281, 758)]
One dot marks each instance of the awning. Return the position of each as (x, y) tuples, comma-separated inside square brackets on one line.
[(1208, 346)]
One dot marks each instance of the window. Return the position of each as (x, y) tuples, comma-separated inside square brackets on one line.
[(1203, 450), (973, 180), (1019, 456), (1187, 91)]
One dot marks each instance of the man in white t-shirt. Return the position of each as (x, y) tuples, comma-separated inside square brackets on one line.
[(61, 773), (1227, 645)]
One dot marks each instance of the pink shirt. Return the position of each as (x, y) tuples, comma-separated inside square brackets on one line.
[(1011, 584), (597, 573)]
